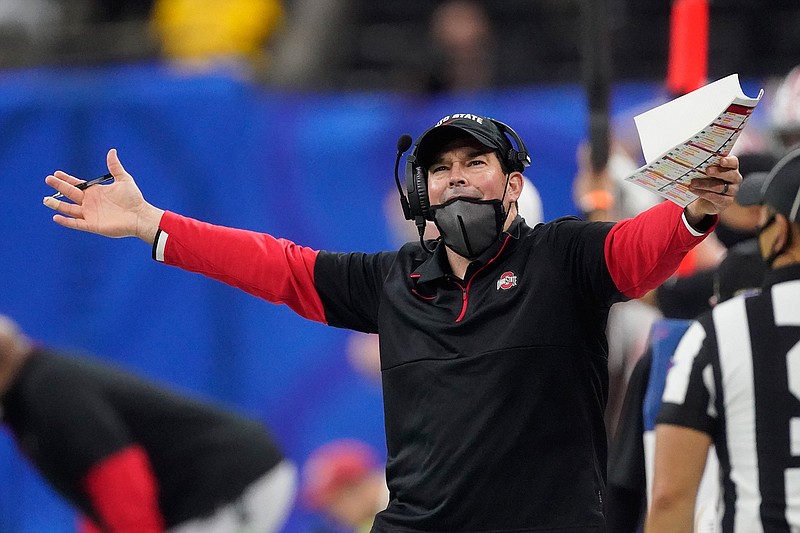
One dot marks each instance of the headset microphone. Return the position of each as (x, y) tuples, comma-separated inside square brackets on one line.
[(403, 144)]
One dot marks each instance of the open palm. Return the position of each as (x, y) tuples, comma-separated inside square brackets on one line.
[(111, 210)]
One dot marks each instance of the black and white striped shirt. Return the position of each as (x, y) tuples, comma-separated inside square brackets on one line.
[(736, 376)]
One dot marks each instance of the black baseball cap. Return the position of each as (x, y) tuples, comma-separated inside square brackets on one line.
[(779, 188), (485, 130)]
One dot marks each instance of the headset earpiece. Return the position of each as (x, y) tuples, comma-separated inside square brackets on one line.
[(512, 160), (417, 188), (519, 159), (421, 183)]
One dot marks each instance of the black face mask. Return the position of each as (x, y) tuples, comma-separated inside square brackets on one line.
[(770, 259), (730, 237), (469, 226)]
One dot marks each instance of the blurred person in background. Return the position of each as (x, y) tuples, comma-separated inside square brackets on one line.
[(785, 113), (311, 47), (133, 457), (605, 195), (65, 32), (205, 34), (493, 346), (734, 383), (344, 480), (463, 47), (29, 19)]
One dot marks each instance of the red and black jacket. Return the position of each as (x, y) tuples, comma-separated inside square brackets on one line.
[(132, 457), (494, 385)]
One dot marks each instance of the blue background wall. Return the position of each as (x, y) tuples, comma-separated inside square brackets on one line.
[(313, 168)]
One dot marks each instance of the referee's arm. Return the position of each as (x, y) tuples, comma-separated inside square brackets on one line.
[(680, 459)]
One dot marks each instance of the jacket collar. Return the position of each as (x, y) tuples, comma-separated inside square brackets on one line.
[(436, 266)]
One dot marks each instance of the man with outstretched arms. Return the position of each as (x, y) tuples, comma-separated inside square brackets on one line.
[(492, 337)]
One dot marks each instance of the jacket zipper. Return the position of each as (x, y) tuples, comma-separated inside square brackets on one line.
[(465, 290)]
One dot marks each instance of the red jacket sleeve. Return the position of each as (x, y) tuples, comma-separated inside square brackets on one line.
[(124, 493), (276, 270), (85, 525), (642, 252)]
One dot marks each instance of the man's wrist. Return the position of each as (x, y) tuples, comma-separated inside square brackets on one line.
[(699, 227), (147, 223)]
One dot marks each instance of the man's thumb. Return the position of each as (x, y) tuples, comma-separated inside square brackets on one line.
[(114, 165)]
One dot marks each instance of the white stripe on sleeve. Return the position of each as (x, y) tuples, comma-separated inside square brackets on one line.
[(161, 243)]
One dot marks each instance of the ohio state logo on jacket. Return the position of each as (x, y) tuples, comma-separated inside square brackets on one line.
[(506, 281)]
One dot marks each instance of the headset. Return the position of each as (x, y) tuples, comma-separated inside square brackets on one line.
[(417, 205)]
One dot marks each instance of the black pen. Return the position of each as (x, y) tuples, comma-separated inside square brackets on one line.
[(96, 181)]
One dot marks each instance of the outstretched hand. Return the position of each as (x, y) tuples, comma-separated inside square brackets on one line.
[(115, 210), (715, 192)]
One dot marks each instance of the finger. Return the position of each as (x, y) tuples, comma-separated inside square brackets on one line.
[(729, 162), (69, 209), (68, 190), (707, 184), (720, 170), (720, 201), (63, 176), (730, 175), (722, 187), (72, 223)]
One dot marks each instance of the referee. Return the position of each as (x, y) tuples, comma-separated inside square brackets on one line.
[(735, 383)]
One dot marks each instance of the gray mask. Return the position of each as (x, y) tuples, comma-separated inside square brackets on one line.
[(469, 226)]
